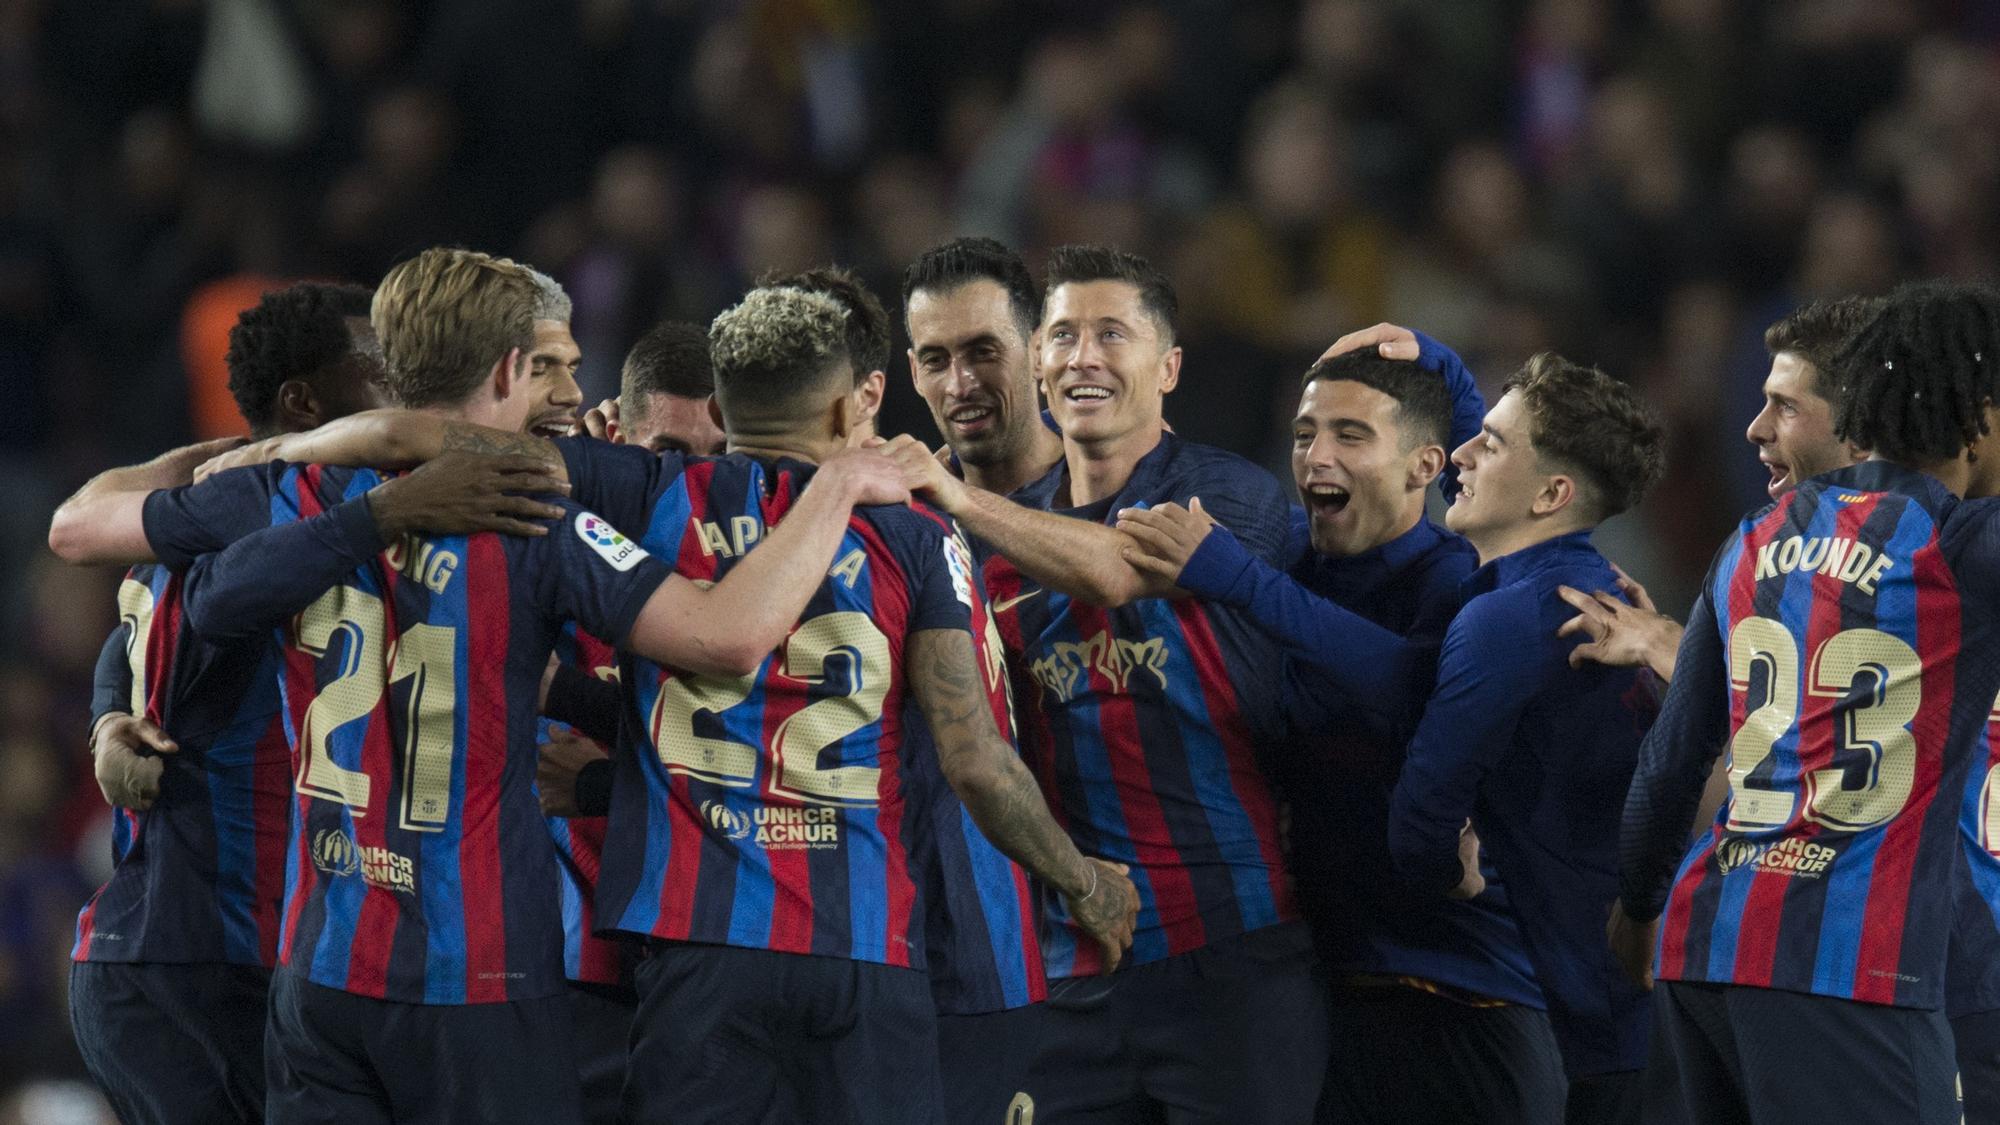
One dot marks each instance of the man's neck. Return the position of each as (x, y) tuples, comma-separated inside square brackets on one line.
[(1501, 542), (1020, 467), (773, 447), (1099, 470), (464, 412), (1958, 474)]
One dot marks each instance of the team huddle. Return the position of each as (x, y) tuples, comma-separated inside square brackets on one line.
[(708, 758)]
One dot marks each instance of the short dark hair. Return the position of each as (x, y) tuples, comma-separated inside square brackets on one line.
[(291, 333), (670, 359), (944, 268), (867, 322), (1815, 333), (1423, 405), (1594, 425), (1914, 382), (1080, 262)]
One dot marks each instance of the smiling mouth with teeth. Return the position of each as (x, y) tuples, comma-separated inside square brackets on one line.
[(1326, 499), (1087, 394), (966, 415)]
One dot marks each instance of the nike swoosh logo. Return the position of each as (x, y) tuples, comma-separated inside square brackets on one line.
[(1010, 603)]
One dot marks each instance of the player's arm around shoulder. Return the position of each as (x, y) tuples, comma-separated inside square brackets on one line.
[(104, 521), (981, 766), (729, 628)]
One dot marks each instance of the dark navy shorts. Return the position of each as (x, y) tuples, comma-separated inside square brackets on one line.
[(1233, 1032), (602, 1017), (984, 1062), (173, 1043), (735, 1036), (335, 1058), (1725, 1054), (1976, 1037), (1402, 1056)]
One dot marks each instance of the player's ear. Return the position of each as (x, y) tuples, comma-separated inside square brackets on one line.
[(1426, 462), (297, 406), (715, 414), (1558, 492), (507, 374), (868, 394), (1171, 377)]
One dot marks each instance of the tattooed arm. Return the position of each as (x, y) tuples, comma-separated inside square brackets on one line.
[(1001, 795)]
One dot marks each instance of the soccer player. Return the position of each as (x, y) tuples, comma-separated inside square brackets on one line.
[(765, 820), (173, 954), (665, 404), (1530, 752), (970, 307), (553, 359), (664, 394), (419, 923), (867, 333), (1416, 975), (1852, 694), (1145, 724), (1794, 437)]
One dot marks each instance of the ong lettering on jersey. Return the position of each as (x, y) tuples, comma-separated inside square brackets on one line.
[(420, 865)]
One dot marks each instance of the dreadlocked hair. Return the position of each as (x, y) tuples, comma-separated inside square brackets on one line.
[(1914, 382)]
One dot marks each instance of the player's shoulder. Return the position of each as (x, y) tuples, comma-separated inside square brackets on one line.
[(1192, 465), (915, 522)]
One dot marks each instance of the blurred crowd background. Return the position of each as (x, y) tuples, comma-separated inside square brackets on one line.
[(1640, 184)]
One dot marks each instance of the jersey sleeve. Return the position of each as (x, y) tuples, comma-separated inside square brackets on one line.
[(111, 680), (1468, 406), (1674, 763), (583, 701), (585, 570), (1360, 659), (269, 575), (1245, 499), (942, 589), (192, 520), (1484, 681), (618, 482)]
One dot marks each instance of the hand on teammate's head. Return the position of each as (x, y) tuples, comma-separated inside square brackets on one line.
[(1390, 341)]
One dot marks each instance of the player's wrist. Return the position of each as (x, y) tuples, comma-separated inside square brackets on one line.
[(97, 727)]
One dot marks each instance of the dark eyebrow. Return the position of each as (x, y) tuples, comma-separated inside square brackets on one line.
[(1492, 433)]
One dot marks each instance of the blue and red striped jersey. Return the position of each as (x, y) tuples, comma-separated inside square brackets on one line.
[(580, 847), (1145, 723), (1844, 650), (420, 867), (199, 876), (982, 912), (769, 811), (1972, 966)]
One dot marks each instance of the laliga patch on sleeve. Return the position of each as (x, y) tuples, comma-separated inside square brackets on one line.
[(958, 560), (613, 548)]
